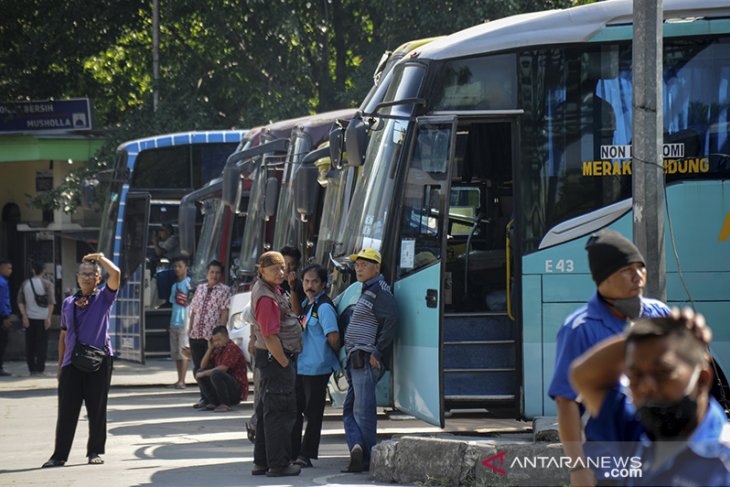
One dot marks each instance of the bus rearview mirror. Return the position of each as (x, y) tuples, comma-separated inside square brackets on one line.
[(271, 197), (306, 190), (356, 142), (337, 137)]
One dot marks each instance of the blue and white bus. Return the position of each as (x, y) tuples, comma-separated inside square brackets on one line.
[(149, 179), (496, 154)]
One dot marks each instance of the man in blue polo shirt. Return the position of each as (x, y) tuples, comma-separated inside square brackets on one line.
[(320, 344), (618, 269), (676, 429)]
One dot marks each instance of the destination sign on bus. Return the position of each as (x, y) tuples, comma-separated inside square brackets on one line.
[(624, 151), (696, 165), (616, 161)]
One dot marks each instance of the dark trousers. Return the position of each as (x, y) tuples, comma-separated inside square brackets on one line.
[(3, 342), (256, 388), (198, 347), (91, 388), (220, 388), (36, 346), (276, 411), (311, 397)]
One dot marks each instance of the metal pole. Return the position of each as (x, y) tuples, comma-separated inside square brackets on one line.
[(155, 54), (648, 163)]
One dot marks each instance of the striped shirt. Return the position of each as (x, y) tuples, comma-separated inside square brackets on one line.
[(373, 323)]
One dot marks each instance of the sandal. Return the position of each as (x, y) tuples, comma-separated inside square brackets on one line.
[(95, 460), (222, 409), (54, 463)]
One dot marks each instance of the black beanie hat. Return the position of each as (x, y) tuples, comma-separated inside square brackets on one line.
[(609, 251)]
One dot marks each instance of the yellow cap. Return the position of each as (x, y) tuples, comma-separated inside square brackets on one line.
[(369, 254)]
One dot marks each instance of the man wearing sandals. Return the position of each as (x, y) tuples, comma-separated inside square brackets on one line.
[(222, 376), (85, 318)]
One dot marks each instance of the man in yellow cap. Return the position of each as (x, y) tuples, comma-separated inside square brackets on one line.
[(368, 343)]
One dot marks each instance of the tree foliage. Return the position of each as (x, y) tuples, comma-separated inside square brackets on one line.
[(224, 63)]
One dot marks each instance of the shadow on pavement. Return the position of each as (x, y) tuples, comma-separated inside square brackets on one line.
[(239, 473), (223, 449)]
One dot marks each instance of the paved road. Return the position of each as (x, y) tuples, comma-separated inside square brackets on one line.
[(157, 438)]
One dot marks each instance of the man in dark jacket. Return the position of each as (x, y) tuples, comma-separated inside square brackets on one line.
[(368, 343)]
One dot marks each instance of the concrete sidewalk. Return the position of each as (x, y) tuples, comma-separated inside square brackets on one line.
[(410, 451), (156, 372)]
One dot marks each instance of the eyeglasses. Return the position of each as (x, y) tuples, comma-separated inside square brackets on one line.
[(87, 275)]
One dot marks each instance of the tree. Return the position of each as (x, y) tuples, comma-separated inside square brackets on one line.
[(224, 63)]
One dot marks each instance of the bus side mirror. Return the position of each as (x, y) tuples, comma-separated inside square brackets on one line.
[(271, 197), (186, 225), (356, 142), (231, 185), (306, 190), (337, 137)]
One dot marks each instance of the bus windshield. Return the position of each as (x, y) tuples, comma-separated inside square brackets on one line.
[(210, 236), (374, 191), (251, 241), (286, 213), (111, 206), (334, 209)]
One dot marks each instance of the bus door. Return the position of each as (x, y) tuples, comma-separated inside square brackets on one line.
[(480, 327), (128, 309), (419, 267)]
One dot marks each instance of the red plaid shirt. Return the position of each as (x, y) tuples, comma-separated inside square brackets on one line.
[(232, 357)]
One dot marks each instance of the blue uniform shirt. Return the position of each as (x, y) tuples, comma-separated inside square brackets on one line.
[(588, 325), (317, 357), (5, 309), (704, 461)]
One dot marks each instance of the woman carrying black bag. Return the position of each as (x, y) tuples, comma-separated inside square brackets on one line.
[(84, 326), (36, 303)]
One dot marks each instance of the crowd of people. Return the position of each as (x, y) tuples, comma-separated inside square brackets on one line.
[(631, 378)]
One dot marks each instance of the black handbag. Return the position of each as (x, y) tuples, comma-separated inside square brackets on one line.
[(41, 301), (85, 357)]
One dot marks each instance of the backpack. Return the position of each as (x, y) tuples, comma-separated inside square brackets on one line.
[(343, 320)]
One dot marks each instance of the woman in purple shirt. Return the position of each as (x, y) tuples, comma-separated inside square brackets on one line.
[(85, 316)]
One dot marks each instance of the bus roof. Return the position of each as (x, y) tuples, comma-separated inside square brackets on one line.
[(283, 128), (577, 24), (327, 117), (182, 138)]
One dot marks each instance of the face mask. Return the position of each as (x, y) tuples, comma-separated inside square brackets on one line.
[(667, 419), (631, 307)]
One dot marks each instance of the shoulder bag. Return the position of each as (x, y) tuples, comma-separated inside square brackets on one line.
[(85, 357), (40, 300)]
